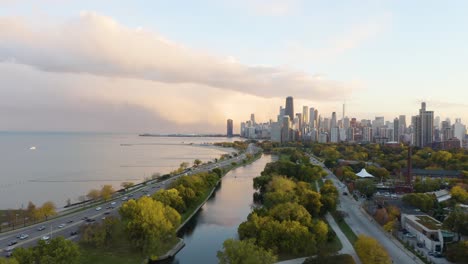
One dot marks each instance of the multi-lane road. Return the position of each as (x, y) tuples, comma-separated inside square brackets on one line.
[(360, 223), (67, 223)]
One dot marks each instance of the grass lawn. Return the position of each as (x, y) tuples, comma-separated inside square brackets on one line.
[(120, 253), (94, 255), (345, 229), (341, 259)]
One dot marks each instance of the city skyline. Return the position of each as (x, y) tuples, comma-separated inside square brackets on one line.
[(91, 66)]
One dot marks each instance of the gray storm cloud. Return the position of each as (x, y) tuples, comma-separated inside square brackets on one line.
[(100, 46)]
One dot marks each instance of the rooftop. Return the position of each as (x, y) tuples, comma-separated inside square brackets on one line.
[(428, 222)]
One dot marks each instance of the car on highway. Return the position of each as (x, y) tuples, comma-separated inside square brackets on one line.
[(98, 208), (23, 236), (14, 242), (113, 203), (45, 238), (124, 198), (73, 233), (106, 213), (61, 225), (69, 221), (41, 228), (89, 220)]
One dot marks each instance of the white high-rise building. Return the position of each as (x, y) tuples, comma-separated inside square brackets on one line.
[(335, 134), (459, 130), (305, 115)]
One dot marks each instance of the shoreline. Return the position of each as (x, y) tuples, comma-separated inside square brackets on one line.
[(168, 254)]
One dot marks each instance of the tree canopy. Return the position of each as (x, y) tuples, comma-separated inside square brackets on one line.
[(244, 252), (370, 251)]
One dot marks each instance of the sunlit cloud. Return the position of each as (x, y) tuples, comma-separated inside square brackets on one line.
[(101, 46)]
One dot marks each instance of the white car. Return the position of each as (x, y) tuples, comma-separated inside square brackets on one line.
[(113, 203), (45, 238), (125, 198), (98, 208), (62, 226), (24, 236)]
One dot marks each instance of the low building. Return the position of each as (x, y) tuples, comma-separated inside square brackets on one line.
[(427, 230), (435, 173)]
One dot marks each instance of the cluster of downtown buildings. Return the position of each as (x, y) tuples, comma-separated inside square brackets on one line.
[(425, 130)]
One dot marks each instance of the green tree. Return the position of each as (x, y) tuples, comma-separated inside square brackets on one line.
[(291, 212), (329, 197), (58, 251), (459, 194), (457, 252), (171, 198), (370, 251), (150, 225), (366, 187), (197, 162), (244, 252), (457, 221), (31, 211), (8, 261)]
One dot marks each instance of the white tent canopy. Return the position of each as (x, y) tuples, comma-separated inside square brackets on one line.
[(364, 174)]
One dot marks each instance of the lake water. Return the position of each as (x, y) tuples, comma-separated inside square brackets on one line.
[(67, 165), (221, 215)]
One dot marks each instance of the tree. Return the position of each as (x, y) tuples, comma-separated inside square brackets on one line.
[(93, 194), (127, 185), (197, 162), (47, 209), (370, 251), (8, 261), (457, 221), (101, 234), (31, 211), (106, 192), (291, 212), (183, 166), (171, 198), (366, 187), (58, 251), (459, 194), (244, 252), (457, 252), (329, 197), (150, 225)]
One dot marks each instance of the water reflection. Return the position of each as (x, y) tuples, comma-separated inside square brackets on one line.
[(220, 216)]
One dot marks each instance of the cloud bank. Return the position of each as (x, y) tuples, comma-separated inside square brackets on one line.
[(99, 45)]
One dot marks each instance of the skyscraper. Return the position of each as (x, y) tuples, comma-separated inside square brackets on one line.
[(402, 122), (312, 122), (424, 127), (305, 115), (396, 129), (252, 119), (333, 122), (285, 127), (289, 111), (229, 128)]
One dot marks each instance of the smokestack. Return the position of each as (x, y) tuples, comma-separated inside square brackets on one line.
[(409, 166)]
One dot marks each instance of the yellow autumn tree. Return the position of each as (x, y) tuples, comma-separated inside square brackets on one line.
[(106, 192), (370, 251)]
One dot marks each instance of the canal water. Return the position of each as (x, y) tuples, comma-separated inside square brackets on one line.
[(219, 218)]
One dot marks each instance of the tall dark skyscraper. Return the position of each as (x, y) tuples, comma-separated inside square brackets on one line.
[(289, 111), (229, 128), (424, 127)]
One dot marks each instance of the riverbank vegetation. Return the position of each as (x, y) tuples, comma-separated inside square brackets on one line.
[(287, 220), (58, 251), (244, 251)]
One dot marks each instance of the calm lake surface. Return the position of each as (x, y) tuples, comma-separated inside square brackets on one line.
[(221, 215), (67, 165)]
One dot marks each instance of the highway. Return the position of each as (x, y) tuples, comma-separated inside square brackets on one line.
[(68, 222), (360, 223)]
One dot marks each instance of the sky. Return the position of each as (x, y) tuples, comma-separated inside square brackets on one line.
[(187, 66)]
